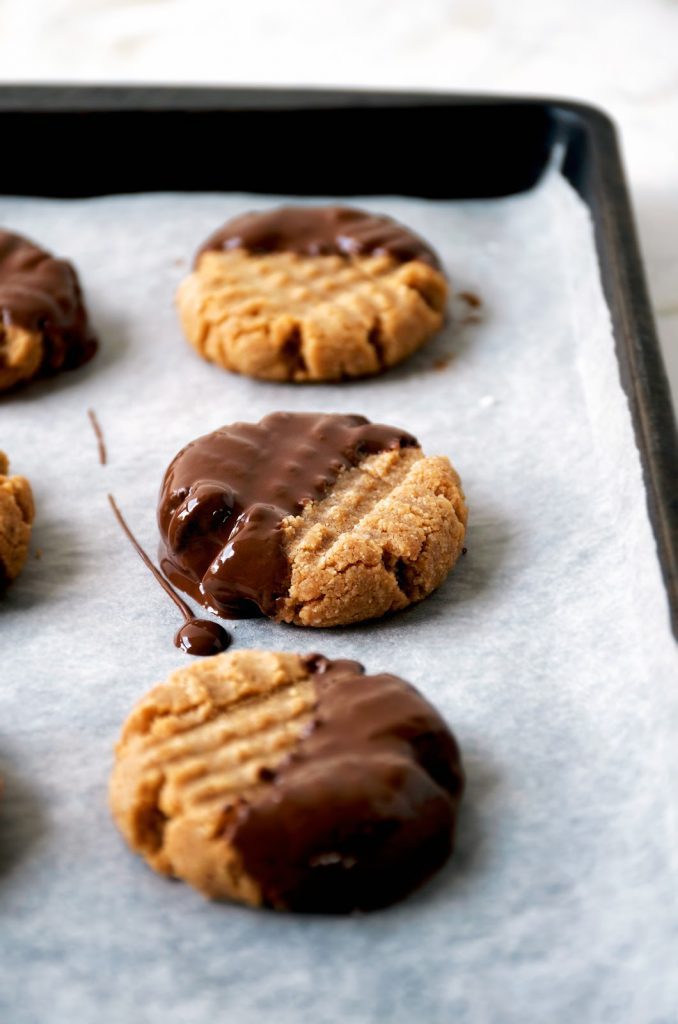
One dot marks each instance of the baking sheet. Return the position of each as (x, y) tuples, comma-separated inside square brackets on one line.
[(548, 650)]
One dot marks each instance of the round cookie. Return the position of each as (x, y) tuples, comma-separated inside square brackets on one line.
[(16, 516), (43, 321), (290, 782), (312, 293), (309, 518)]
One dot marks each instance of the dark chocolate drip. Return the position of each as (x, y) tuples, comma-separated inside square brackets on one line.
[(225, 495), (99, 434), (365, 808), (202, 637), (195, 636), (41, 293), (321, 231)]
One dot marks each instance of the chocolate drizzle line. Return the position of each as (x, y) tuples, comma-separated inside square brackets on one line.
[(99, 434), (364, 810), (321, 231), (41, 293), (196, 636), (225, 495)]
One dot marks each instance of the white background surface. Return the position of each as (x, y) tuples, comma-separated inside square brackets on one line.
[(623, 56), (560, 905), (620, 54)]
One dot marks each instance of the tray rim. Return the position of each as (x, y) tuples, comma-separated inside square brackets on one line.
[(642, 371), (73, 96)]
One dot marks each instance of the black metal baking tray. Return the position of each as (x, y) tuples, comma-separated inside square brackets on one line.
[(83, 141)]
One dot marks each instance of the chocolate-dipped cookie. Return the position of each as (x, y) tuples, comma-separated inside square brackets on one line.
[(43, 322), (290, 782), (305, 293), (315, 519)]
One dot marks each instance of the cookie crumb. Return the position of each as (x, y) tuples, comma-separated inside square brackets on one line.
[(466, 308)]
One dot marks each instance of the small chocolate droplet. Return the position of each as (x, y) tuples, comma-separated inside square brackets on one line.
[(202, 638)]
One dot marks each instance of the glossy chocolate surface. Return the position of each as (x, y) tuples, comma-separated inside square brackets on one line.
[(41, 293), (225, 495), (202, 638), (321, 231), (365, 808)]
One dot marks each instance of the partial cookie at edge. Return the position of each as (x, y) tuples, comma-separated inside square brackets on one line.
[(16, 517), (44, 327)]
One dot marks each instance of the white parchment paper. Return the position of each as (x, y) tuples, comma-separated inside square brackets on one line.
[(548, 650)]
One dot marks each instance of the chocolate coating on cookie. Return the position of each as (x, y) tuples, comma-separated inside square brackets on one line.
[(364, 809), (41, 294), (321, 231), (225, 495)]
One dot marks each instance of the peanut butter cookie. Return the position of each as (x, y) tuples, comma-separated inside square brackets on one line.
[(43, 321), (312, 293), (290, 782), (319, 520), (16, 516)]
